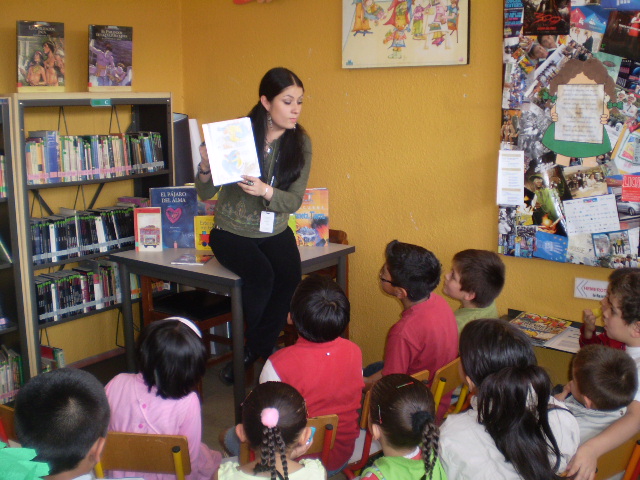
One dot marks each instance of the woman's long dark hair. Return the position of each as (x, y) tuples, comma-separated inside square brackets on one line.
[(291, 158), (513, 395)]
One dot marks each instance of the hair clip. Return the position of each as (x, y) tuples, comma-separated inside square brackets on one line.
[(269, 417), (379, 415), (404, 384), (187, 323)]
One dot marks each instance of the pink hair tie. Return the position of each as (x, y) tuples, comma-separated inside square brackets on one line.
[(269, 417)]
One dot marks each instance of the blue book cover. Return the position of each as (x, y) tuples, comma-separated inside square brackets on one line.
[(179, 205), (551, 247), (51, 140)]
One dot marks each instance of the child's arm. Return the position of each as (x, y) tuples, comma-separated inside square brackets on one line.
[(562, 396), (583, 464), (589, 324)]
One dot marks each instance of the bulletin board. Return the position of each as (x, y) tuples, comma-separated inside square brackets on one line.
[(570, 133)]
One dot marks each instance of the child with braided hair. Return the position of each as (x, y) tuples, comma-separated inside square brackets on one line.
[(402, 418), (274, 423)]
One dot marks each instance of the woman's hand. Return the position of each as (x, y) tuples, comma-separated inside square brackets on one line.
[(253, 186), (204, 158)]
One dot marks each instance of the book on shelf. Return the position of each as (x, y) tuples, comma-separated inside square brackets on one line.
[(231, 149), (11, 376), (202, 226), (542, 329), (135, 201), (311, 222), (192, 259), (179, 206), (41, 58), (147, 223), (5, 253), (51, 145), (52, 358), (3, 177), (110, 58)]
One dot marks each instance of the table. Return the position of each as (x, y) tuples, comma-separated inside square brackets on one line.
[(215, 278)]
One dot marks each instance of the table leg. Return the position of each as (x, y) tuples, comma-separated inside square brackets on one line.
[(341, 276), (127, 315), (237, 333)]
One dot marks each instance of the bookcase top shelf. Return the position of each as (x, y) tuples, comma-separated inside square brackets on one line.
[(56, 99)]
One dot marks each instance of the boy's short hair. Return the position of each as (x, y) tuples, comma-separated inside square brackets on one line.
[(413, 268), (481, 272), (61, 414), (320, 310), (607, 376), (624, 283)]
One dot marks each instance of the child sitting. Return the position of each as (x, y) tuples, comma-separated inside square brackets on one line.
[(514, 429), (63, 415), (476, 279), (426, 336), (402, 416), (604, 381), (161, 397), (324, 367), (621, 315), (274, 419)]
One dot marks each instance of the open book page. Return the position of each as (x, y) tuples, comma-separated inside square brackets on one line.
[(567, 341)]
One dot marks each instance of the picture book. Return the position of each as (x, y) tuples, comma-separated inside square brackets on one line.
[(179, 205), (147, 224), (202, 225), (312, 218), (539, 327), (192, 259), (41, 62), (110, 58), (231, 149)]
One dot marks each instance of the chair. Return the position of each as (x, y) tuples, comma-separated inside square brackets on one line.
[(7, 428), (633, 467), (289, 334), (326, 429), (445, 381), (138, 452), (621, 459), (354, 466)]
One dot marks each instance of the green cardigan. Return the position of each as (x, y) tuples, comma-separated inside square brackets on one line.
[(239, 213)]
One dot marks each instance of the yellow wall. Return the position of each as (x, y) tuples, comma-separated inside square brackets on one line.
[(407, 153)]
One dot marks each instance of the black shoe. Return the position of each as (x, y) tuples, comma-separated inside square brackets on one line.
[(226, 373)]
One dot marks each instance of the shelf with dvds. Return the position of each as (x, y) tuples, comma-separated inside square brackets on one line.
[(13, 329), (75, 150)]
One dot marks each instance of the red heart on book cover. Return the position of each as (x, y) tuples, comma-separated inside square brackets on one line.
[(174, 214)]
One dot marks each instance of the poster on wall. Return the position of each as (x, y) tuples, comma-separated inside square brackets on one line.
[(404, 33), (570, 109)]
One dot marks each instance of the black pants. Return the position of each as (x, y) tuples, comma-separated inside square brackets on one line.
[(270, 271)]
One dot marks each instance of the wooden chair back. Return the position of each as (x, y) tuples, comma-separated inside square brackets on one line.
[(326, 429), (137, 452), (618, 460), (7, 428), (633, 467), (446, 380)]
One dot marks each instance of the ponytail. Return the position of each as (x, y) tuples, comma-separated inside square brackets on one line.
[(424, 422)]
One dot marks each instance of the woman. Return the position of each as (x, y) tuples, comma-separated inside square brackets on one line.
[(50, 64), (251, 237)]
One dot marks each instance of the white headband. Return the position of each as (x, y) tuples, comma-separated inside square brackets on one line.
[(188, 323)]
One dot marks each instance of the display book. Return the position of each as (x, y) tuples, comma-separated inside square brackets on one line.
[(53, 158), (546, 331), (11, 375), (179, 206), (195, 259), (40, 56), (311, 222), (110, 58)]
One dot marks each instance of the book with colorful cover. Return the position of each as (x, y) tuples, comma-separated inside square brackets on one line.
[(110, 58), (312, 218), (41, 62), (202, 225), (179, 205), (540, 328), (192, 259), (147, 224)]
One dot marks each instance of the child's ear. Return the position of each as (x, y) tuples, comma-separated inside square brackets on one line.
[(241, 433), (635, 329), (472, 386), (376, 431), (305, 435), (588, 403), (289, 319), (95, 452), (469, 296), (401, 293)]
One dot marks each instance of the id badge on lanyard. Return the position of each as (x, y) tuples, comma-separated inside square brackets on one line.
[(268, 219)]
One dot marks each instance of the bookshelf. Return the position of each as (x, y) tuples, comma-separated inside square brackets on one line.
[(76, 114), (13, 336)]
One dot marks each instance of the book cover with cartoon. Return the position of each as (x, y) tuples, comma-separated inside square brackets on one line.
[(312, 218), (110, 58)]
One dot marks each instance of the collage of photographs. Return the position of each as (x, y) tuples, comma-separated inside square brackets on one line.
[(570, 101)]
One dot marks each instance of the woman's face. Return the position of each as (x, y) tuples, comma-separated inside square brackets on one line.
[(285, 107), (46, 48)]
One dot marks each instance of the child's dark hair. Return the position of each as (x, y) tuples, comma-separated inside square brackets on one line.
[(61, 414), (320, 310), (481, 272), (413, 268), (171, 357), (273, 416), (624, 283), (607, 376), (404, 409), (512, 394)]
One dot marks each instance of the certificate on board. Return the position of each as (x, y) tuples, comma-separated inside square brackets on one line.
[(579, 108)]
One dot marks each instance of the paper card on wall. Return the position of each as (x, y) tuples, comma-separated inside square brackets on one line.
[(510, 177), (631, 188), (550, 247), (591, 215), (590, 289), (616, 249), (579, 108)]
